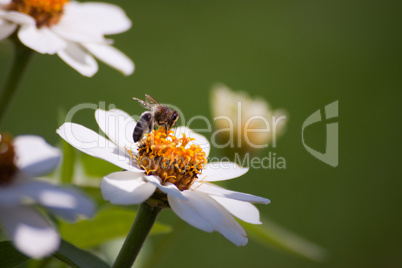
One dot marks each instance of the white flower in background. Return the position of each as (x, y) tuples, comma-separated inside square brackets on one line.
[(173, 164), (72, 30), (22, 159), (237, 115)]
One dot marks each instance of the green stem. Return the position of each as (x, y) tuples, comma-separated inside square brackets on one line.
[(146, 217), (22, 55), (68, 164)]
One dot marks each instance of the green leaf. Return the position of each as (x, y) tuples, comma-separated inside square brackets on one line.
[(110, 223), (79, 258), (9, 256), (272, 235)]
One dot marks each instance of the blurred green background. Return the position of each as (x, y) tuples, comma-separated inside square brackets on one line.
[(300, 56)]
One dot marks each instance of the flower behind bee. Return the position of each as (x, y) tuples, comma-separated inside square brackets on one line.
[(72, 30), (248, 123)]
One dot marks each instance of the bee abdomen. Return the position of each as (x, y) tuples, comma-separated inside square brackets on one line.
[(144, 125)]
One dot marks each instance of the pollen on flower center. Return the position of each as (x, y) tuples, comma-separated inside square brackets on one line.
[(7, 159), (45, 12), (166, 156)]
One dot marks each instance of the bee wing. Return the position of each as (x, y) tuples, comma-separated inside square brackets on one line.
[(151, 100), (144, 104), (155, 104)]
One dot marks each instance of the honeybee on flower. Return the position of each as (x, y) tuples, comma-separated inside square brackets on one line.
[(168, 166)]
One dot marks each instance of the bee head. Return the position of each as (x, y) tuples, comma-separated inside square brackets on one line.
[(174, 118)]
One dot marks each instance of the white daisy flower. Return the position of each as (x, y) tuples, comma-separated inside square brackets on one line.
[(251, 119), (171, 167), (22, 159), (72, 30)]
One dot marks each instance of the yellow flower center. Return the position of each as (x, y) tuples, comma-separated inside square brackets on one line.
[(7, 159), (45, 12), (166, 156)]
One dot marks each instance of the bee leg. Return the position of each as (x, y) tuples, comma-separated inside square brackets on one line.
[(166, 126)]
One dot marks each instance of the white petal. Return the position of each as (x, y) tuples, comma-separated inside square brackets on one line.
[(220, 171), (30, 233), (91, 143), (67, 203), (199, 139), (42, 40), (111, 56), (194, 212), (17, 17), (243, 210), (34, 156), (6, 29), (167, 188), (73, 30), (5, 2), (7, 197), (212, 189), (103, 17), (118, 126), (79, 59), (206, 214), (9, 194), (126, 188), (77, 34), (232, 230)]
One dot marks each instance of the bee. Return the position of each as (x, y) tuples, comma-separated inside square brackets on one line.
[(159, 115)]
